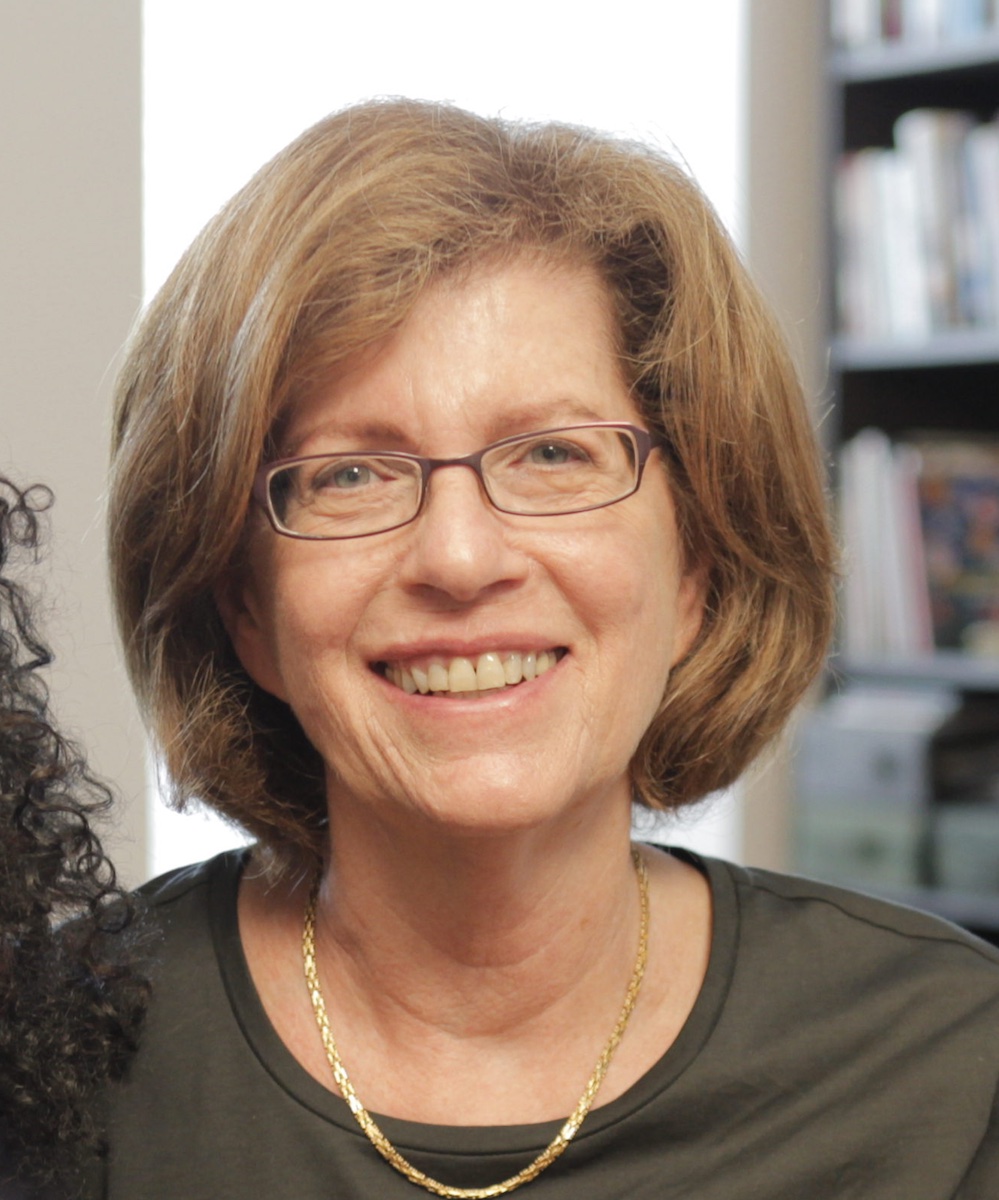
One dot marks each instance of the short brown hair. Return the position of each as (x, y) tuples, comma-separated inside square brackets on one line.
[(324, 252)]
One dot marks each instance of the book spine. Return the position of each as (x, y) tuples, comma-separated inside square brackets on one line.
[(932, 140), (855, 24), (982, 161)]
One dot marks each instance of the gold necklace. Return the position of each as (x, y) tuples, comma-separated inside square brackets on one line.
[(564, 1135)]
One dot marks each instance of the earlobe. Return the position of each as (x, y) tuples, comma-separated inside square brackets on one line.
[(250, 633)]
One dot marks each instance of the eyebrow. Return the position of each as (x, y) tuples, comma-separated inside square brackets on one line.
[(366, 433), (544, 415), (387, 435)]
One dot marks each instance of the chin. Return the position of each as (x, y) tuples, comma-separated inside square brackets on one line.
[(508, 802)]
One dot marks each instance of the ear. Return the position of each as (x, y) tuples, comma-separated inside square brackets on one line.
[(691, 599), (248, 623)]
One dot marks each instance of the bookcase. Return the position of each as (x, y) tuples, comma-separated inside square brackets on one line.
[(897, 770)]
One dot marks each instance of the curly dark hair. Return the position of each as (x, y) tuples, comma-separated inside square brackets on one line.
[(71, 994)]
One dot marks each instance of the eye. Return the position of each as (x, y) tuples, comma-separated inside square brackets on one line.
[(343, 477), (554, 453)]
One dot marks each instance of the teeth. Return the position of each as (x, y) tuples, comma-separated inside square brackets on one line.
[(489, 672), (512, 669), (461, 676)]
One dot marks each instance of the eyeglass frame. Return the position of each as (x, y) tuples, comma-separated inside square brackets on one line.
[(645, 443)]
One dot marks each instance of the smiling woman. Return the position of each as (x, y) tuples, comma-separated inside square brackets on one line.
[(463, 494), (470, 584)]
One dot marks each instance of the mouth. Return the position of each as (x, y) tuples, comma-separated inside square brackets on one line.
[(490, 672)]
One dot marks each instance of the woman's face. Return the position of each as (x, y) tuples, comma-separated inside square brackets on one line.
[(334, 627)]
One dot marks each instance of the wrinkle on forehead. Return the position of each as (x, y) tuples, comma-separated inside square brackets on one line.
[(314, 424)]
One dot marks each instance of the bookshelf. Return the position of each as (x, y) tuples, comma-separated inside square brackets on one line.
[(887, 822)]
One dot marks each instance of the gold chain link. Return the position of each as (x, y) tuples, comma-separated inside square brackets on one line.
[(564, 1136)]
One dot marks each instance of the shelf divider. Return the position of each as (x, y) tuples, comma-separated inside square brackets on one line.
[(896, 60), (956, 347)]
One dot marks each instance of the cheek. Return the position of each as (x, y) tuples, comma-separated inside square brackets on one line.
[(647, 605), (306, 606), (677, 591), (315, 612), (624, 585), (626, 599)]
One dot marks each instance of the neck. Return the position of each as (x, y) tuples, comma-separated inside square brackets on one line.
[(475, 980), (477, 934)]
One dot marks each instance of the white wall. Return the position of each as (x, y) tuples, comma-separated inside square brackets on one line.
[(228, 82)]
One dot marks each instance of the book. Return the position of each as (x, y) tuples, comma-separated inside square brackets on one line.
[(860, 274), (858, 24), (882, 285), (958, 491), (962, 19), (919, 519), (855, 23), (933, 141), (902, 259), (982, 167), (917, 229), (922, 20), (886, 598)]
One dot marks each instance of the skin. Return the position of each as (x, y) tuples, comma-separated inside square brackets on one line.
[(477, 923)]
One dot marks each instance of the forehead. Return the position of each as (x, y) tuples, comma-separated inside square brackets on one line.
[(495, 350)]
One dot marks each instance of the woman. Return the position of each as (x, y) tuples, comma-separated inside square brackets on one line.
[(70, 999), (463, 492)]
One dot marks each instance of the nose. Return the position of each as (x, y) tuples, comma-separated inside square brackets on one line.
[(460, 545)]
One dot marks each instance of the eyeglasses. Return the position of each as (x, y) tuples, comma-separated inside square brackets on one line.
[(361, 492)]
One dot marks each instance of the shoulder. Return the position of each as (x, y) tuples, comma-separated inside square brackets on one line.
[(808, 954), (187, 883), (191, 935), (186, 918), (855, 1039), (191, 892), (793, 905)]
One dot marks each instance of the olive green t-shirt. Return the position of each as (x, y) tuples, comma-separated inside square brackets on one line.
[(840, 1048)]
